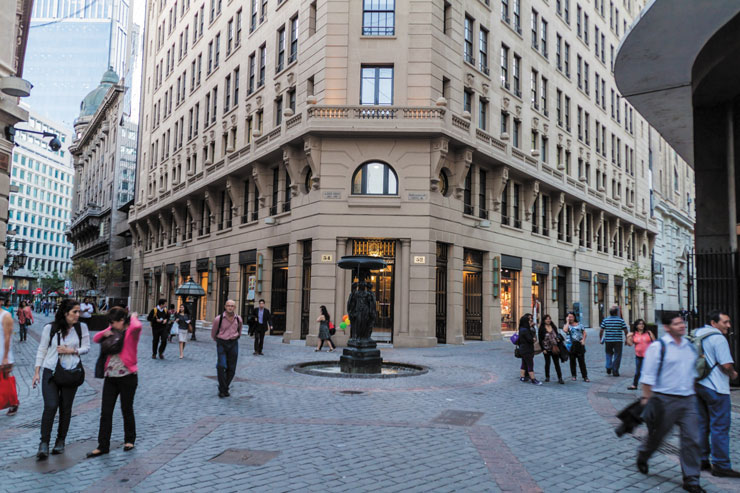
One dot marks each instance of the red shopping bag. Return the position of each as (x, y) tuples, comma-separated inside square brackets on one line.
[(8, 393)]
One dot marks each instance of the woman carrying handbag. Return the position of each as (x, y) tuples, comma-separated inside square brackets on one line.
[(325, 329), (8, 392), (120, 341), (549, 340), (62, 343), (184, 328), (576, 334)]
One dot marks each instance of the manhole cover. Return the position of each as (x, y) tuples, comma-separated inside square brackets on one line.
[(351, 392), (457, 418), (243, 457)]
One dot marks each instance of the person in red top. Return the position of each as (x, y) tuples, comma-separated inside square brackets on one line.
[(25, 318), (121, 378), (641, 338), (226, 330)]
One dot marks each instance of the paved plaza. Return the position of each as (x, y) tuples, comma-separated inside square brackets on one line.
[(466, 425)]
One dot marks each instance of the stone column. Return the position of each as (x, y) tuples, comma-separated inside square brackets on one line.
[(340, 298), (455, 306), (293, 305), (404, 278)]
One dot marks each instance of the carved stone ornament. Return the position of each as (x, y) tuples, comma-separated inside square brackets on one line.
[(277, 87), (290, 78), (505, 104), (580, 152), (535, 123), (213, 135), (518, 110), (258, 101), (588, 156), (249, 108), (470, 79), (486, 87), (545, 127), (224, 125), (560, 139), (205, 139), (233, 119), (441, 102), (567, 144)]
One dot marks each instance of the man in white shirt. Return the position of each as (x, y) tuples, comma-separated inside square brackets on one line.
[(668, 374), (713, 392), (86, 310)]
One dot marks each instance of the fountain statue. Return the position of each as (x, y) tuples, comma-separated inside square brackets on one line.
[(362, 354)]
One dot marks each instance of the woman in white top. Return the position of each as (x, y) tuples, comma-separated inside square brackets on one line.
[(6, 350), (59, 342)]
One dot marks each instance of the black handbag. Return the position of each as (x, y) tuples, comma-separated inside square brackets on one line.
[(564, 354), (113, 344), (517, 353), (74, 377)]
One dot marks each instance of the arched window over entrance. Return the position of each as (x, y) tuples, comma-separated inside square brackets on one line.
[(375, 178)]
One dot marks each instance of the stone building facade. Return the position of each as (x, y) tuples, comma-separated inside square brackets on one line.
[(479, 147), (673, 206), (102, 167)]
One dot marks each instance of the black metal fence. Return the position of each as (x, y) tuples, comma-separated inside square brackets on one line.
[(717, 277)]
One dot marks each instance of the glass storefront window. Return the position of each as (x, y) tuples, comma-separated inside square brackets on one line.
[(509, 299), (203, 281), (539, 300)]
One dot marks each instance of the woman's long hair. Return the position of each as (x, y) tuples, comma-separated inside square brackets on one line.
[(638, 322), (543, 325), (524, 321), (60, 317), (325, 313), (21, 305)]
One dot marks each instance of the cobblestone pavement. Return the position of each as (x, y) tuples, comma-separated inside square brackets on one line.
[(283, 431)]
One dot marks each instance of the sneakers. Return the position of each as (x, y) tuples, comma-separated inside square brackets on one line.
[(724, 473), (536, 382), (524, 379), (694, 488)]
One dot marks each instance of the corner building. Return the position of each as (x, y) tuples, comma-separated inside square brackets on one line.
[(479, 147)]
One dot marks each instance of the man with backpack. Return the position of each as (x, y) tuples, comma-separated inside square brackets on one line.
[(713, 392), (668, 374), (158, 317), (226, 330)]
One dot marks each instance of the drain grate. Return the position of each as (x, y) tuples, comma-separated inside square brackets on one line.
[(351, 392), (457, 418), (243, 457)]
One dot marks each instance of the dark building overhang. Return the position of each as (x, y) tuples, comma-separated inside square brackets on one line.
[(666, 56)]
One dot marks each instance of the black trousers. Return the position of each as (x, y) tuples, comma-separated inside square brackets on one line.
[(24, 331), (578, 354), (159, 338), (112, 388), (556, 361), (55, 397), (259, 339), (331, 343)]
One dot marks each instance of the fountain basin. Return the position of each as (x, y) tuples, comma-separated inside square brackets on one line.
[(333, 369)]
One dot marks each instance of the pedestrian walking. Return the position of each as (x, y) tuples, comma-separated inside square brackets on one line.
[(612, 333), (549, 340), (667, 380), (184, 327), (121, 378), (576, 343), (86, 310), (171, 326), (226, 330), (713, 392), (158, 317), (25, 318), (62, 343), (263, 323), (641, 338), (325, 328), (6, 348), (9, 307), (526, 341)]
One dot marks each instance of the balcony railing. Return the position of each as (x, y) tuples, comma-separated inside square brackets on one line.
[(375, 113)]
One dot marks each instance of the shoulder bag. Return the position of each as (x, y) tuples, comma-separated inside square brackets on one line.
[(74, 377)]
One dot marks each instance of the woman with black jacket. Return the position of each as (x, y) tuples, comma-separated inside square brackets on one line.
[(549, 338), (526, 349)]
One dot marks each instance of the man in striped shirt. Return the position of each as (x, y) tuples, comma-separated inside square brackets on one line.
[(613, 331)]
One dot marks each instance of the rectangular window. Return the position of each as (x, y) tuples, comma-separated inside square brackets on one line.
[(376, 86), (263, 61), (236, 86), (482, 114), (543, 96), (517, 130), (516, 209), (468, 193), (293, 40), (275, 191), (559, 107), (567, 113), (312, 19), (215, 104), (447, 19), (280, 50), (278, 111), (505, 66), (518, 16), (505, 11), (250, 84), (558, 52), (291, 99), (482, 186), (217, 43), (543, 38), (468, 41), (517, 75), (229, 36), (535, 30), (378, 17), (253, 19), (483, 50), (238, 35), (566, 59), (505, 204), (533, 86), (227, 93), (245, 205)]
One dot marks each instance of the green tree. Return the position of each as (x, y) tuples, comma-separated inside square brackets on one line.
[(53, 282), (84, 272), (636, 275), (108, 273)]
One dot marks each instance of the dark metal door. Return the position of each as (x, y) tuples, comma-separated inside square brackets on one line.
[(562, 300), (441, 294), (473, 294), (306, 289), (223, 289), (279, 294)]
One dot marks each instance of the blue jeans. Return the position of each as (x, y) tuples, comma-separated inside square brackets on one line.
[(228, 352), (638, 369), (714, 422), (613, 355)]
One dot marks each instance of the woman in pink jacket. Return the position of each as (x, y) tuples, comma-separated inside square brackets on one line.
[(120, 378)]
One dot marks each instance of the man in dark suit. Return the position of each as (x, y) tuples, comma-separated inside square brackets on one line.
[(158, 317), (262, 323)]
